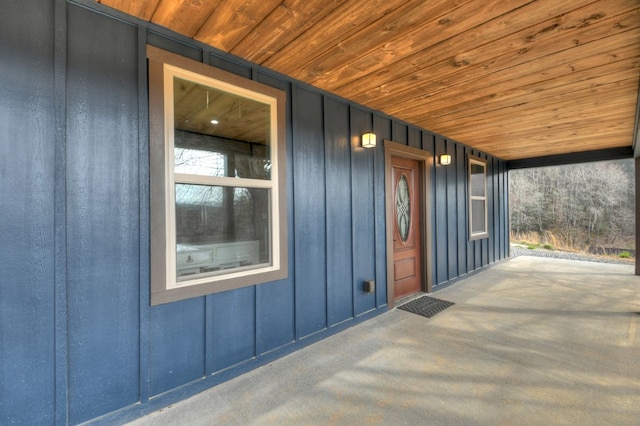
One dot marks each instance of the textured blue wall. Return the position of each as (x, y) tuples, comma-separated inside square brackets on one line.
[(78, 337), (27, 241)]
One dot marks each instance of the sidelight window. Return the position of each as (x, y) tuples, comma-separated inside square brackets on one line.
[(477, 187)]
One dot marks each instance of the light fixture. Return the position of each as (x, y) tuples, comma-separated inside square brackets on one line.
[(369, 140), (214, 121), (445, 159)]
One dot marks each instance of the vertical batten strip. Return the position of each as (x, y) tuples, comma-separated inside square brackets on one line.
[(382, 129), (452, 213), (352, 133), (144, 219), (60, 216), (323, 120), (461, 207)]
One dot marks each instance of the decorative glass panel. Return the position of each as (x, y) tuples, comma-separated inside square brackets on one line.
[(403, 208)]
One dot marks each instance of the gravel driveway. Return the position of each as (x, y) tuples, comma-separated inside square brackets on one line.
[(517, 250)]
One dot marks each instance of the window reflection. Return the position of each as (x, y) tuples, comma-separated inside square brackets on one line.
[(477, 180), (221, 228), (198, 162), (211, 124)]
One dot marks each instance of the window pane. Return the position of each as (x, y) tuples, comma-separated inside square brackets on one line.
[(211, 124), (221, 228), (197, 162), (477, 180), (477, 216)]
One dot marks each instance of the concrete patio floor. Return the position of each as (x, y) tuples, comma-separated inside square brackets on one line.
[(529, 341)]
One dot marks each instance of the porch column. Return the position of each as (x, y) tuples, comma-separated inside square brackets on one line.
[(637, 168)]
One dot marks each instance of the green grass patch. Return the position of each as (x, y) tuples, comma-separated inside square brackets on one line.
[(548, 247), (625, 255)]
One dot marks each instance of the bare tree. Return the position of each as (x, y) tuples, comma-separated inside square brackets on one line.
[(584, 205)]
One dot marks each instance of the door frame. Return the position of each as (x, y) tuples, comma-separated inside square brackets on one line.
[(424, 158)]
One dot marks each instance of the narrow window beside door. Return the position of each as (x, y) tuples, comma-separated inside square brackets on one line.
[(477, 188)]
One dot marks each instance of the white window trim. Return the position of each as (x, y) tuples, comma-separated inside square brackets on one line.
[(485, 233), (165, 286)]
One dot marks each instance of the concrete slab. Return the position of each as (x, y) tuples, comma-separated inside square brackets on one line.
[(530, 341)]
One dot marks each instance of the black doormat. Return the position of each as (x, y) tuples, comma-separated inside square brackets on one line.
[(426, 306)]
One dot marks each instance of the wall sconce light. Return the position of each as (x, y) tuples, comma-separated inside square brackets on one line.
[(369, 140), (445, 159)]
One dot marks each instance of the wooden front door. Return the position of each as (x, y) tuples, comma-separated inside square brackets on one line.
[(407, 259)]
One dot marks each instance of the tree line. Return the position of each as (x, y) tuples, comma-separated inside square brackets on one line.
[(576, 206)]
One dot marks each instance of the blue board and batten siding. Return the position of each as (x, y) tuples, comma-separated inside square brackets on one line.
[(79, 339)]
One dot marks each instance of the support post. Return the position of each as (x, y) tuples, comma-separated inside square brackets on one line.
[(637, 170)]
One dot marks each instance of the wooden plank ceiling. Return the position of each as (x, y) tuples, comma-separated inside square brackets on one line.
[(514, 78)]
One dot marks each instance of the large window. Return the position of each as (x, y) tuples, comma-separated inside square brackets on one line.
[(218, 215), (477, 198)]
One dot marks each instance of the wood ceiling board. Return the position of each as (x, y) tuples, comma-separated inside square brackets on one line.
[(458, 88), (522, 149), (535, 146), (233, 20), (184, 16), (541, 96), (589, 115), (500, 66), (565, 143), (532, 146), (283, 25), (498, 85), (589, 99), (505, 53), (435, 39), (392, 38), (593, 126), (143, 9), (504, 134), (328, 32), (604, 125), (544, 130), (451, 54)]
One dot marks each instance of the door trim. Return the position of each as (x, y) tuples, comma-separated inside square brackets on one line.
[(424, 158)]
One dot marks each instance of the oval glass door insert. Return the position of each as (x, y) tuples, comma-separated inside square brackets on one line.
[(403, 208)]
